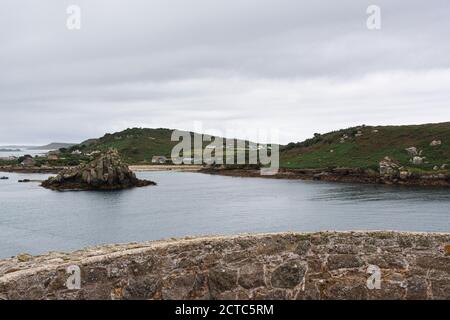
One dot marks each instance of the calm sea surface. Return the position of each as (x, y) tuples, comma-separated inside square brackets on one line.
[(37, 220), (22, 152)]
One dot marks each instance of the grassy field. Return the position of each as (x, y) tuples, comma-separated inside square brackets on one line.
[(366, 149)]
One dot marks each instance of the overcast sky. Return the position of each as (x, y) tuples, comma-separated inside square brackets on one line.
[(297, 66)]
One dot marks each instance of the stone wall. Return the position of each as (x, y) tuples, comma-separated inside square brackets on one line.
[(325, 265)]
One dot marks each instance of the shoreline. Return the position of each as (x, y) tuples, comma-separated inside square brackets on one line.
[(136, 168), (16, 169), (346, 175), (166, 167)]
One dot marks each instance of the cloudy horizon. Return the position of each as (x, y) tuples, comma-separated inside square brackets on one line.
[(293, 66)]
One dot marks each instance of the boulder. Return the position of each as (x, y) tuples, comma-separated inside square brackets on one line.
[(107, 172), (412, 151), (435, 143), (388, 167), (417, 160), (24, 257), (404, 175)]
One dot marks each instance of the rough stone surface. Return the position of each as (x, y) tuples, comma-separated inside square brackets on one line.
[(417, 160), (435, 143), (412, 151), (388, 167), (324, 265), (107, 172)]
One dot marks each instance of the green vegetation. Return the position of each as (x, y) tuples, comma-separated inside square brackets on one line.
[(135, 145), (365, 146), (8, 162), (356, 147)]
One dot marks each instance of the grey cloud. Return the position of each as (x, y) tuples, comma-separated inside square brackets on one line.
[(277, 63)]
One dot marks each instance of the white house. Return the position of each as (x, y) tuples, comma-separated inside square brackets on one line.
[(159, 159)]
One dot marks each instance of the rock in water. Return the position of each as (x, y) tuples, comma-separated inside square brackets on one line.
[(107, 172)]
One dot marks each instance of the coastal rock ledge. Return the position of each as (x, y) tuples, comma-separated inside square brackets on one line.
[(323, 265), (107, 172)]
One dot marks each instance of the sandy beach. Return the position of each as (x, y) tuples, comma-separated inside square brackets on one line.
[(163, 167)]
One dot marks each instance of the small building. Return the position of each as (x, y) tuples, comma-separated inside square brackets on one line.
[(53, 155), (28, 162), (159, 159), (76, 152)]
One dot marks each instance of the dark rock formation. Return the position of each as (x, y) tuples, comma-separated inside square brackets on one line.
[(107, 172)]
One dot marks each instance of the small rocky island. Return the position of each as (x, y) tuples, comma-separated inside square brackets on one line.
[(107, 172)]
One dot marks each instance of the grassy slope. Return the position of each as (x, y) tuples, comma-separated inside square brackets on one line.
[(136, 145), (366, 151)]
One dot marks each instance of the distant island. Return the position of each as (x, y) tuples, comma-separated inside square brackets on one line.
[(52, 146), (409, 154), (9, 150)]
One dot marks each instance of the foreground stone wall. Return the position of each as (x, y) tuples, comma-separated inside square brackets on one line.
[(325, 265)]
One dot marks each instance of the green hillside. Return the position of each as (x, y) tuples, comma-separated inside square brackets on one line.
[(365, 146), (356, 147), (135, 145)]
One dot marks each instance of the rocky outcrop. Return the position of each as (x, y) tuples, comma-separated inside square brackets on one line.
[(417, 160), (412, 151), (323, 265), (107, 172), (389, 168), (435, 143)]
